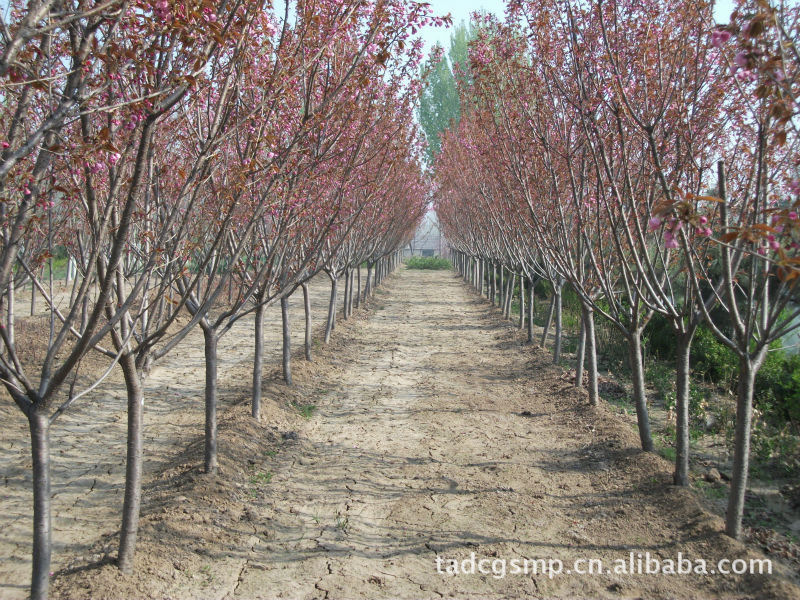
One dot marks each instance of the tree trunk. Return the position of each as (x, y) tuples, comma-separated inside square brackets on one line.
[(521, 302), (492, 283), (84, 311), (287, 341), (502, 300), (591, 350), (33, 298), (210, 465), (346, 307), (368, 285), (11, 310), (580, 355), (559, 329), (530, 310), (42, 544), (548, 321), (683, 350), (350, 294), (133, 464), (506, 294), (512, 281), (358, 291), (307, 307), (331, 309), (748, 367), (639, 395), (258, 360)]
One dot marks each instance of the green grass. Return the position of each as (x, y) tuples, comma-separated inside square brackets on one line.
[(666, 451), (429, 263), (305, 410), (261, 478), (342, 523), (710, 490)]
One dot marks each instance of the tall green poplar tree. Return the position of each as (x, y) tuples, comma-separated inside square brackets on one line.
[(439, 104)]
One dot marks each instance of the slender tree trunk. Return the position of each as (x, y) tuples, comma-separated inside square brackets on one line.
[(639, 394), (521, 302), (748, 367), (368, 286), (530, 310), (492, 274), (307, 307), (682, 352), (258, 360), (591, 350), (358, 292), (210, 465), (133, 464), (559, 328), (331, 310), (345, 309), (512, 281), (351, 294), (581, 354), (287, 341), (11, 311), (549, 321), (42, 543), (33, 298), (471, 272), (502, 300), (84, 312)]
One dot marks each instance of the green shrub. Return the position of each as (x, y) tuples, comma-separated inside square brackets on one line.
[(777, 386), (662, 377), (428, 263), (661, 338), (712, 360)]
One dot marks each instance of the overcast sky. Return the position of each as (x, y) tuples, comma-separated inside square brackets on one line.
[(460, 10)]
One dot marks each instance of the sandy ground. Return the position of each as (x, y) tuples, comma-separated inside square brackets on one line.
[(88, 442), (437, 432)]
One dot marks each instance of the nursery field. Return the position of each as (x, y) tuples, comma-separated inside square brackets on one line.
[(89, 467), (427, 428), (297, 303)]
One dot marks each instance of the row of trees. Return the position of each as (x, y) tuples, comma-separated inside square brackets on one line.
[(197, 160), (647, 158)]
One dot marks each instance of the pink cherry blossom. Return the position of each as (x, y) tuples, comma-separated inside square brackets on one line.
[(719, 38)]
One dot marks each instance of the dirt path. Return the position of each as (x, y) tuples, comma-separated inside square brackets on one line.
[(438, 433), (88, 442)]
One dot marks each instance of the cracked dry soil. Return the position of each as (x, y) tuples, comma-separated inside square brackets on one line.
[(437, 431)]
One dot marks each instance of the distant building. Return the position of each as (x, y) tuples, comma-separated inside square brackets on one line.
[(428, 240)]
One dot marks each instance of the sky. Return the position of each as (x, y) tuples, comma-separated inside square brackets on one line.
[(460, 10)]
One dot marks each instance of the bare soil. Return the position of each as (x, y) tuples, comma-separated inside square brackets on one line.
[(431, 430)]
